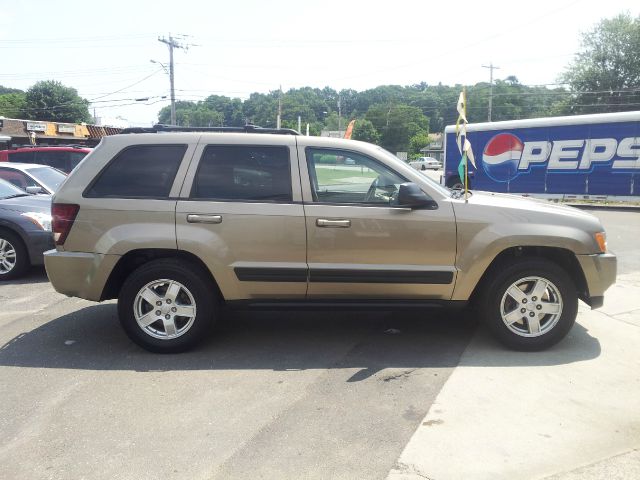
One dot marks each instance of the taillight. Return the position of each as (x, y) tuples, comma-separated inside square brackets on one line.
[(63, 216)]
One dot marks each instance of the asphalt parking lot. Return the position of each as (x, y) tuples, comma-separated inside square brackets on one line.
[(296, 395)]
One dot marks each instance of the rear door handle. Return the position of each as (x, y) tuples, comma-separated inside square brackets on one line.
[(325, 222), (198, 218)]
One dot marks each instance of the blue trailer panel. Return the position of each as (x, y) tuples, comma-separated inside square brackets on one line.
[(595, 155)]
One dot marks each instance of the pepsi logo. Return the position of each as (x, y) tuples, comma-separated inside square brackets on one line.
[(501, 157)]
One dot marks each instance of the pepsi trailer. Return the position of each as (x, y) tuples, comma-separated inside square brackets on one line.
[(584, 156)]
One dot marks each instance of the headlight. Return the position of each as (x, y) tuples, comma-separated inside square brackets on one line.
[(601, 240), (42, 220)]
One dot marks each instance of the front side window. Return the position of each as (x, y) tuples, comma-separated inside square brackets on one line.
[(244, 173), (141, 171), (339, 176)]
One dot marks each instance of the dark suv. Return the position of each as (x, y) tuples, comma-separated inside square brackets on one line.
[(62, 158)]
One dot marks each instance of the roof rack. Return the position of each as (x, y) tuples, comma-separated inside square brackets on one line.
[(246, 129)]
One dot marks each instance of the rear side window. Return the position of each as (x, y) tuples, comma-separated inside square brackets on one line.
[(54, 158), (244, 173), (143, 171), (24, 157)]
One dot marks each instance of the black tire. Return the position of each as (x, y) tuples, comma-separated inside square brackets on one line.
[(198, 288), (552, 328), (456, 184), (20, 261)]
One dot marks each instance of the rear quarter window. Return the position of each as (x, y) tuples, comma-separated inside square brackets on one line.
[(141, 171)]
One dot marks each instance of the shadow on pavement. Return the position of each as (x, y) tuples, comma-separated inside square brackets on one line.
[(91, 338)]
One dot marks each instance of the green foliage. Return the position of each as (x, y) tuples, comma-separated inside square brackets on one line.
[(418, 142), (605, 76), (51, 100), (12, 105), (4, 90), (190, 114), (397, 124), (365, 131)]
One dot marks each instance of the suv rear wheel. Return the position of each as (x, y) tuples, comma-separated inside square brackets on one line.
[(167, 306), (530, 305)]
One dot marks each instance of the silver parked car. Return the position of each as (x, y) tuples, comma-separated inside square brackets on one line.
[(31, 177), (175, 224)]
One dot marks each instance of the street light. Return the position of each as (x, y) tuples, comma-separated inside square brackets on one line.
[(173, 96)]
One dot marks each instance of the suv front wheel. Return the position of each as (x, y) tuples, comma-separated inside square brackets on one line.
[(167, 306), (530, 305)]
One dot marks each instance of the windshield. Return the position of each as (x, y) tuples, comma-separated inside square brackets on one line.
[(432, 183), (8, 190), (50, 177)]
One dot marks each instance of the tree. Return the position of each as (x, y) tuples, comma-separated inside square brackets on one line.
[(365, 131), (12, 105), (397, 124), (51, 100), (417, 143), (605, 76)]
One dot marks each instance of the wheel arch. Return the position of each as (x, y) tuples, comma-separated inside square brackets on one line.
[(7, 227), (562, 257), (135, 258)]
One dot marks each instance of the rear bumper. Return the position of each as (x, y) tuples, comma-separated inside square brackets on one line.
[(78, 274), (600, 273)]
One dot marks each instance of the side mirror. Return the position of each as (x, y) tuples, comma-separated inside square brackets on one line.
[(34, 189), (411, 196)]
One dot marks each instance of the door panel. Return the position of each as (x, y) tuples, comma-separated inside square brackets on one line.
[(254, 248), (371, 249)]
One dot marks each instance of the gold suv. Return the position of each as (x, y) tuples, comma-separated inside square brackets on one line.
[(175, 223)]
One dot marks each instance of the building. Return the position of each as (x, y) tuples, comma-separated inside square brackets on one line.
[(435, 149), (17, 132)]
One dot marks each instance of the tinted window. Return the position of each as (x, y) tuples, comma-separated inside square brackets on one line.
[(76, 157), (244, 173), (25, 157), (339, 176), (54, 158), (142, 171)]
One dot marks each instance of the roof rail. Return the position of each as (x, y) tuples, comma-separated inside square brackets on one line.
[(174, 128)]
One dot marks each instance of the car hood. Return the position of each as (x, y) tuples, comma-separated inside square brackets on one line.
[(526, 203), (514, 208), (31, 203)]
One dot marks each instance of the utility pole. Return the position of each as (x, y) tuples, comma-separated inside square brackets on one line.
[(491, 68), (172, 43), (279, 117), (339, 113)]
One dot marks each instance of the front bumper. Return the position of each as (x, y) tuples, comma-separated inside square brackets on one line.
[(600, 273), (38, 241), (78, 274)]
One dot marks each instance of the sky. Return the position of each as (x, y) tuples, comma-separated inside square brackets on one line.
[(105, 49)]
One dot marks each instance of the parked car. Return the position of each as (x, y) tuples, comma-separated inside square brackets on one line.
[(178, 223), (62, 158), (426, 163), (25, 230), (31, 177)]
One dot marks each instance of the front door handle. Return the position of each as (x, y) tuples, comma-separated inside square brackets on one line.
[(326, 222), (198, 218)]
